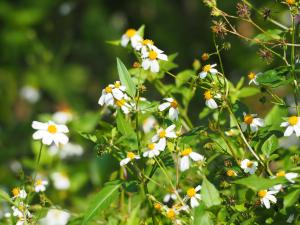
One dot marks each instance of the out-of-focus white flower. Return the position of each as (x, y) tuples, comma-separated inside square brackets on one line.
[(18, 193), (111, 92), (162, 135), (66, 151), (252, 78), (252, 121), (40, 185), (276, 188), (50, 132), (292, 126), (291, 218), (60, 181), (249, 166), (209, 100), (132, 36), (21, 210), (208, 69), (172, 195), (144, 45), (55, 217), (30, 94), (130, 156), (149, 124), (289, 176), (232, 132), (15, 166), (188, 154), (63, 116), (172, 105), (194, 196), (152, 150), (150, 59), (266, 197)]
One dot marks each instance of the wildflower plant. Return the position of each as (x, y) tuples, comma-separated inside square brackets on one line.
[(230, 167)]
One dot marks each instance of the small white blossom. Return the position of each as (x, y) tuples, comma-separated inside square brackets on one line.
[(172, 195), (194, 196), (249, 166), (172, 105), (266, 197), (130, 156), (252, 121), (163, 134), (150, 59), (145, 45), (208, 69), (55, 217), (188, 154), (132, 36), (30, 94), (19, 193), (60, 181), (289, 176), (66, 151), (152, 150), (252, 78), (209, 99), (40, 185), (62, 116), (111, 93), (292, 126), (149, 124)]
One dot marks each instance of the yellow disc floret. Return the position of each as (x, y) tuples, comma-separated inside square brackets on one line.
[(191, 192), (293, 120), (249, 164), (174, 104), (186, 151), (121, 102), (52, 129), (130, 33), (152, 55), (171, 214), (117, 84), (147, 42), (15, 191), (206, 68), (151, 146), (207, 95), (162, 134), (108, 89), (230, 173), (248, 119), (262, 193), (290, 2), (251, 76), (280, 174), (130, 155), (157, 206)]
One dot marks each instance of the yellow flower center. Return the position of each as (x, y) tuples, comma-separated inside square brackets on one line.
[(293, 120), (230, 173), (130, 33), (251, 76), (39, 182), (207, 68), (117, 84), (108, 89), (207, 95), (171, 214), (157, 206), (191, 192), (147, 42), (15, 191), (280, 174), (262, 193), (130, 155), (249, 164), (151, 146), (162, 134), (248, 119), (186, 151), (290, 2), (174, 104), (52, 129), (120, 103), (152, 55)]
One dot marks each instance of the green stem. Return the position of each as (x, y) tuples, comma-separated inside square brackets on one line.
[(293, 64), (38, 162)]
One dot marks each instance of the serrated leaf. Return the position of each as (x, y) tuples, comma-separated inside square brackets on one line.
[(201, 216), (102, 200), (210, 195), (123, 125), (291, 198), (183, 77), (125, 78), (270, 145)]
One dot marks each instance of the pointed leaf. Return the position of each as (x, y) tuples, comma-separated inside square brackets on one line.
[(210, 195), (125, 78)]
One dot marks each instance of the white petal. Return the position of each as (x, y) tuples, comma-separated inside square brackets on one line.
[(47, 139), (203, 74), (117, 93), (194, 202), (109, 99), (284, 124), (211, 103), (243, 126), (163, 106), (173, 114), (161, 145), (167, 198), (297, 130), (39, 126), (39, 134), (291, 176), (184, 163), (213, 71), (196, 156), (154, 66), (266, 202), (62, 128), (163, 57), (272, 198), (289, 130), (61, 138), (169, 99), (253, 127), (155, 138), (170, 128), (124, 40), (198, 188), (146, 64), (258, 122), (124, 161)]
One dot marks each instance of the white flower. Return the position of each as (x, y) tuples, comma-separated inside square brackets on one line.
[(252, 78), (149, 124), (171, 213), (267, 196), (188, 154), (276, 188), (111, 92), (131, 35), (60, 181), (292, 125), (252, 121), (123, 104), (55, 217), (291, 218), (194, 196), (130, 156), (16, 211), (20, 221), (18, 193), (249, 166), (150, 59), (172, 195), (21, 210), (289, 176), (40, 185), (67, 150), (208, 69), (172, 105), (144, 45), (50, 132), (63, 116), (30, 94), (152, 150), (162, 135), (209, 100)]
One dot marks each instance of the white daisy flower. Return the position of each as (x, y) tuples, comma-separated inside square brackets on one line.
[(266, 197), (252, 121), (276, 188), (188, 154), (123, 104), (60, 181), (209, 100), (18, 193), (144, 45), (66, 151), (163, 134), (55, 217), (292, 125), (152, 150), (21, 210), (111, 92), (130, 156), (50, 132), (40, 185), (172, 105), (252, 78), (249, 166), (30, 94), (208, 69), (171, 213), (172, 195), (17, 212), (62, 116), (132, 36), (149, 124), (20, 221), (150, 59), (194, 196), (289, 176)]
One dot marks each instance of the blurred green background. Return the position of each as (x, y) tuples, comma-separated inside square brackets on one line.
[(59, 48)]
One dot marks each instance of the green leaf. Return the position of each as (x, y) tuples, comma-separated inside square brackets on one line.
[(141, 30), (210, 195), (269, 35), (273, 78), (201, 216), (272, 118), (134, 216), (270, 145), (183, 77), (291, 198), (247, 92), (4, 196), (123, 125), (258, 183), (102, 200), (125, 78)]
